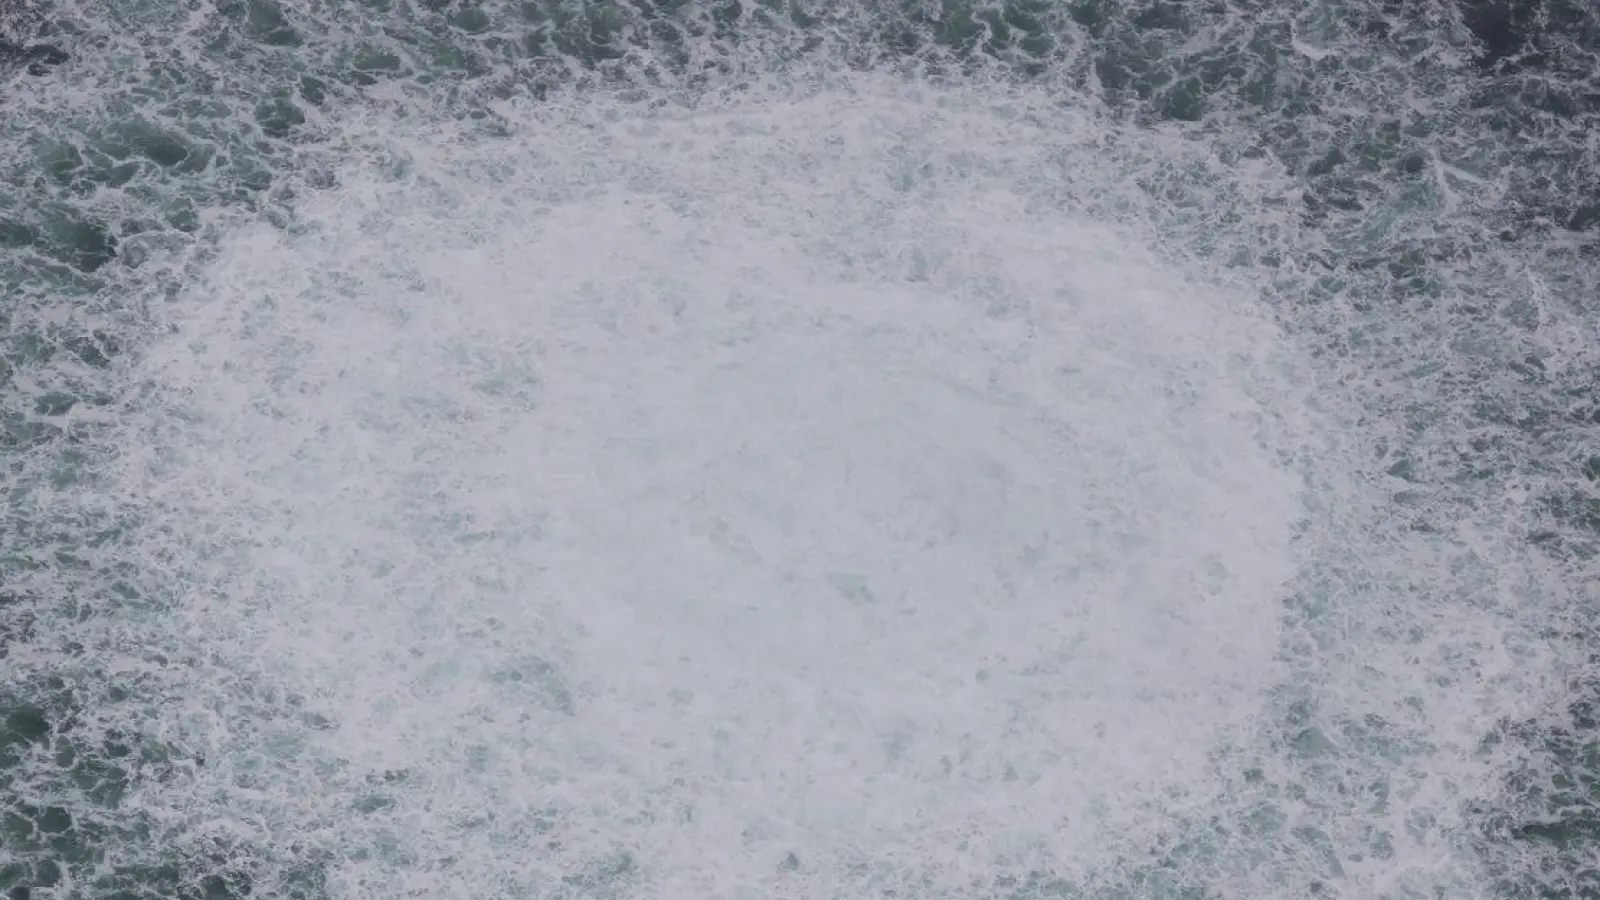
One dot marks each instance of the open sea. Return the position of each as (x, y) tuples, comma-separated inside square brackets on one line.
[(800, 449)]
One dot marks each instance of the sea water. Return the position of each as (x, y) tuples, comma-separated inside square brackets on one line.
[(1084, 450)]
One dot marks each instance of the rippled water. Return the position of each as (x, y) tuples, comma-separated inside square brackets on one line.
[(768, 449)]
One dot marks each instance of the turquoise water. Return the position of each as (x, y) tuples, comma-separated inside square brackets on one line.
[(806, 450)]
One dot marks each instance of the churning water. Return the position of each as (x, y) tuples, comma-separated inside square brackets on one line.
[(1096, 449)]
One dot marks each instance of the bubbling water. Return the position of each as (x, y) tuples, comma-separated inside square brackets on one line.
[(772, 499)]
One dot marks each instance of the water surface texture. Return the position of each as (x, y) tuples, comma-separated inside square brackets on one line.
[(1101, 450)]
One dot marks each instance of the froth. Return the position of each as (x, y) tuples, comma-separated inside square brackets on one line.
[(769, 499)]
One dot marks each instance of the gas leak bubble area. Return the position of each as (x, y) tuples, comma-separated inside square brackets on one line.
[(728, 526)]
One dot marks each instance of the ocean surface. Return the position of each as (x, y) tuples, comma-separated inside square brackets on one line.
[(917, 449)]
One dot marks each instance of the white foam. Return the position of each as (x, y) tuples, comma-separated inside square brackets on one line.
[(698, 490)]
